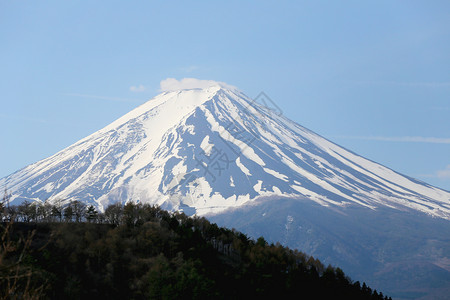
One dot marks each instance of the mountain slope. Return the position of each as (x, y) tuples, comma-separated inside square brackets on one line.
[(205, 150), (403, 253)]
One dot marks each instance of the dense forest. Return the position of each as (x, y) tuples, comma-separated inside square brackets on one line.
[(138, 251)]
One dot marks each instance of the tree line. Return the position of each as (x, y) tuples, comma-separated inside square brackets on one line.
[(34, 211), (140, 251)]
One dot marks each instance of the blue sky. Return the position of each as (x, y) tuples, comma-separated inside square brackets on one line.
[(372, 76)]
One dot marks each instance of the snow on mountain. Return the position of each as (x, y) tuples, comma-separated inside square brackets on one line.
[(204, 150)]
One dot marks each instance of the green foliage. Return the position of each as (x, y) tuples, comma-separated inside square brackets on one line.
[(140, 251)]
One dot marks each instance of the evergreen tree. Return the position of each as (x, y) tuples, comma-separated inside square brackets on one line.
[(91, 214)]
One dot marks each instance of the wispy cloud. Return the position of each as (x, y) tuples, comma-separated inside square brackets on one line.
[(444, 174), (189, 69), (138, 89), (422, 84), (440, 108), (406, 83), (23, 118), (116, 99), (401, 139)]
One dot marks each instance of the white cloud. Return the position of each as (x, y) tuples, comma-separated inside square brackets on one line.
[(444, 174), (407, 139), (137, 89), (172, 84)]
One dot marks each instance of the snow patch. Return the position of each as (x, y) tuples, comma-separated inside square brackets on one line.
[(232, 181), (206, 146), (242, 167), (276, 174)]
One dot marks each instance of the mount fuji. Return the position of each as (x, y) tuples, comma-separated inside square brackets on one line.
[(206, 150), (215, 152)]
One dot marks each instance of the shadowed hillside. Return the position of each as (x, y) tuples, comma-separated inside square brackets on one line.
[(143, 252)]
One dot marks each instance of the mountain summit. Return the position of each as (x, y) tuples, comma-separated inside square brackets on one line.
[(207, 149)]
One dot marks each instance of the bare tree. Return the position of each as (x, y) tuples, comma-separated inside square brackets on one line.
[(44, 211), (16, 276), (57, 210), (24, 211), (68, 213), (113, 214), (79, 209), (4, 205)]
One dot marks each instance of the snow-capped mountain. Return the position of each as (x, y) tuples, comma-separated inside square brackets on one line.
[(209, 149), (214, 151)]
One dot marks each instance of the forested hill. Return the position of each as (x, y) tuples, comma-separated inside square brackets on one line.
[(143, 252)]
